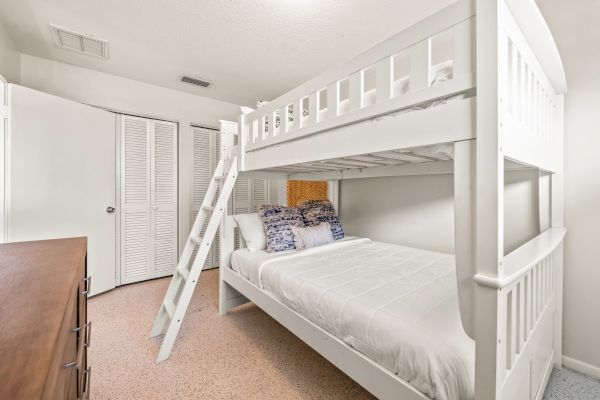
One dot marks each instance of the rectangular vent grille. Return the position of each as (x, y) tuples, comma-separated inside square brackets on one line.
[(80, 42), (195, 81)]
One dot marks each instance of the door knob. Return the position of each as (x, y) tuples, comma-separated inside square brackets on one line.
[(110, 210)]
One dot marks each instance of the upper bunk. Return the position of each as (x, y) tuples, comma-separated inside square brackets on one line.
[(407, 97)]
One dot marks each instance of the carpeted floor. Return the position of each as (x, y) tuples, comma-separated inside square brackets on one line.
[(565, 384), (246, 355)]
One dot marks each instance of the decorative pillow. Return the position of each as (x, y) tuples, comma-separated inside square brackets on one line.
[(277, 221), (316, 211), (253, 231), (312, 236)]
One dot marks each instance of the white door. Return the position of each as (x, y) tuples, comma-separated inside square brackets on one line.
[(61, 176), (148, 191)]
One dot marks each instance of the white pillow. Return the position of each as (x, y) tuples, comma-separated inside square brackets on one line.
[(253, 231), (312, 236)]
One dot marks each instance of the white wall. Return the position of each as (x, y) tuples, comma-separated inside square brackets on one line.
[(130, 96), (9, 56), (574, 25), (418, 211)]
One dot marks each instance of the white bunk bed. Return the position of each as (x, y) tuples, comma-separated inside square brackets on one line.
[(502, 107)]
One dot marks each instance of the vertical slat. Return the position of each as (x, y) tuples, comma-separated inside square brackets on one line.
[(271, 126), (519, 317), (299, 114), (532, 300), (515, 81), (262, 128), (529, 99), (244, 132), (356, 89), (420, 65), (539, 292), (534, 296), (252, 131), (503, 69), (523, 82), (463, 47), (526, 306), (313, 108), (546, 272), (385, 79), (509, 329), (283, 120), (333, 100), (520, 92)]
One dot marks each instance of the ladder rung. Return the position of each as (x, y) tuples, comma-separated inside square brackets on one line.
[(183, 272), (170, 307), (208, 208), (196, 239), (221, 178)]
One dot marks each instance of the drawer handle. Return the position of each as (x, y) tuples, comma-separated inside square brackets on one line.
[(71, 365), (87, 285), (88, 380), (87, 330), (88, 334)]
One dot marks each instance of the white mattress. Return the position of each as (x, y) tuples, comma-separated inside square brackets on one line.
[(397, 305)]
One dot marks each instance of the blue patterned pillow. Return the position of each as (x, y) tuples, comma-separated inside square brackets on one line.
[(278, 221), (316, 211)]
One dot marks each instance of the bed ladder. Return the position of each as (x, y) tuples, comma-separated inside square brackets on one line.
[(184, 279)]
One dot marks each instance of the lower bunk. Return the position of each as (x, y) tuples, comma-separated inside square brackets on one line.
[(384, 314)]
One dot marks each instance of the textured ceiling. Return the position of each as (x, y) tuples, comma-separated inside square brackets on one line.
[(249, 49)]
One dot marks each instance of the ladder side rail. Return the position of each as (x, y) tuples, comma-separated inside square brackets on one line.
[(196, 268), (186, 254)]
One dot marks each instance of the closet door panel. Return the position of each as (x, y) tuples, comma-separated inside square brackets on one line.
[(136, 256), (164, 197), (260, 193), (248, 196), (242, 196), (204, 163)]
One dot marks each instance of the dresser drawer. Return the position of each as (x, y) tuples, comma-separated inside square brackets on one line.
[(63, 366)]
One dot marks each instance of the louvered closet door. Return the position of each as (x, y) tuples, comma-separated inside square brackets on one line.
[(164, 197), (248, 196), (135, 199), (205, 158), (148, 198)]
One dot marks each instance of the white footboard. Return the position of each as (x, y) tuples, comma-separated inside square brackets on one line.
[(531, 106), (529, 315)]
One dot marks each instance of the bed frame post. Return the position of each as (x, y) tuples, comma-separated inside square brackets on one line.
[(557, 221), (228, 296), (333, 193), (490, 201), (464, 229)]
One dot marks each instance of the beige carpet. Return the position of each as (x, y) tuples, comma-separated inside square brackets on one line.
[(244, 355)]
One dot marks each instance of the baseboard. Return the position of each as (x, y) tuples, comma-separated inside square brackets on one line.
[(580, 366)]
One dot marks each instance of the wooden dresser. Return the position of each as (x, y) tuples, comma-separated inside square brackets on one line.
[(44, 333)]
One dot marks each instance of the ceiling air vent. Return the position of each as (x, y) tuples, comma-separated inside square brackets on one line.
[(195, 81), (80, 42)]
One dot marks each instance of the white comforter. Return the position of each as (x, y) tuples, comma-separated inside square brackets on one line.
[(395, 304)]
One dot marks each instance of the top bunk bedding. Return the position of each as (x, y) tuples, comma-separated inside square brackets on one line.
[(397, 305)]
